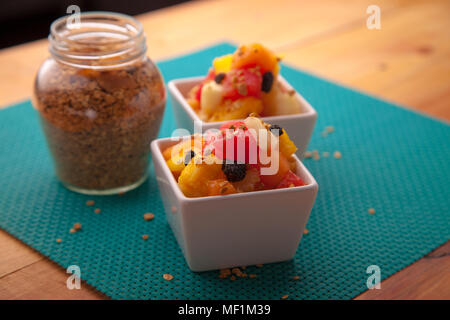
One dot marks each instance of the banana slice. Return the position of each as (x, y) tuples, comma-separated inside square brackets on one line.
[(211, 97)]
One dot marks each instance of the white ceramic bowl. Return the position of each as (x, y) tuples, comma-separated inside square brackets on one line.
[(239, 229), (298, 126)]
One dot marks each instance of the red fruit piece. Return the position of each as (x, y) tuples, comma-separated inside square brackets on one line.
[(235, 124), (273, 180), (289, 180), (240, 83), (238, 145)]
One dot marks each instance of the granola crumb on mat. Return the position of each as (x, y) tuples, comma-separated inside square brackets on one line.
[(252, 275), (232, 278), (97, 210), (58, 240), (90, 202), (371, 210), (145, 236), (148, 216), (295, 277), (72, 230), (337, 155), (77, 226), (167, 276), (308, 154), (306, 231), (285, 296)]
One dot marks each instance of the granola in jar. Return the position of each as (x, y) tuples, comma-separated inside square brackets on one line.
[(101, 102)]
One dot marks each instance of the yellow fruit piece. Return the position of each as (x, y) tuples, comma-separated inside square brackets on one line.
[(193, 180), (176, 154), (183, 147), (279, 101), (176, 164), (223, 63), (238, 109), (255, 54), (287, 147)]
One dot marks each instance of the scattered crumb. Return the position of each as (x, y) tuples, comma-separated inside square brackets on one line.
[(259, 265), (337, 155), (148, 216), (58, 240), (232, 278), (295, 277), (167, 276), (145, 236), (77, 226), (306, 231), (90, 202), (316, 156), (308, 154), (121, 193), (236, 271), (371, 210), (97, 210), (329, 129), (252, 275), (72, 230), (224, 273), (244, 275), (325, 154), (285, 296)]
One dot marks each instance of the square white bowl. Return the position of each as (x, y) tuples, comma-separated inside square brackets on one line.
[(299, 126), (235, 230)]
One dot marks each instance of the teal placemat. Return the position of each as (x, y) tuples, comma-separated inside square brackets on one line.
[(393, 160)]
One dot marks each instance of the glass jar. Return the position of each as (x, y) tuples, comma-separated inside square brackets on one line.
[(101, 102)]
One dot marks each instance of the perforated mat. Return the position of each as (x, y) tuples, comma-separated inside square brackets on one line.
[(393, 160)]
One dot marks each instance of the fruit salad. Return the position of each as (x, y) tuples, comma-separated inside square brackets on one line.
[(243, 156), (242, 83)]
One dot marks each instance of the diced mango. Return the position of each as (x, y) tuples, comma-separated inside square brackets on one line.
[(255, 55), (223, 63), (287, 147), (176, 165), (193, 180), (220, 187), (183, 146), (239, 109)]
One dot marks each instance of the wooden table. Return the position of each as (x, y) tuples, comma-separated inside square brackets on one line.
[(407, 61)]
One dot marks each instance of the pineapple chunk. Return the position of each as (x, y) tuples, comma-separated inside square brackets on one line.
[(280, 102), (193, 180), (223, 63)]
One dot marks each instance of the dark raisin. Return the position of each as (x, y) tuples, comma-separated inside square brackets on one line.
[(234, 171), (188, 157), (267, 81), (219, 77), (276, 129)]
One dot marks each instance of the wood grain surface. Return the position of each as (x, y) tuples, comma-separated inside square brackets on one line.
[(407, 61)]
